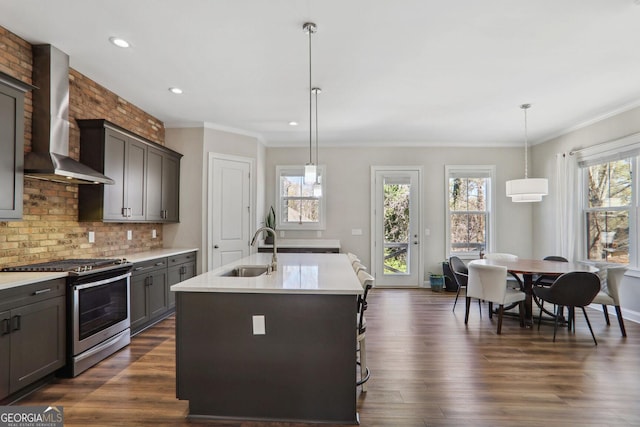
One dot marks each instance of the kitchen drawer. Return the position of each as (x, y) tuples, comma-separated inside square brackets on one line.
[(182, 258), (145, 266), (32, 293)]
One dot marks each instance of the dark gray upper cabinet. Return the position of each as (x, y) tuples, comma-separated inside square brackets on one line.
[(11, 146), (146, 176), (163, 179)]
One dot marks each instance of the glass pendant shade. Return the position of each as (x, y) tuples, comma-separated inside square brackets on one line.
[(317, 190), (309, 173)]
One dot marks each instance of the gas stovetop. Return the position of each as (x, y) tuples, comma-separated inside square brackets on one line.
[(71, 265)]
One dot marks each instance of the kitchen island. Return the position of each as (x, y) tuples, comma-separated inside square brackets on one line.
[(279, 346)]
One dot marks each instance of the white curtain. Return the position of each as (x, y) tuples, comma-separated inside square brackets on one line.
[(568, 195)]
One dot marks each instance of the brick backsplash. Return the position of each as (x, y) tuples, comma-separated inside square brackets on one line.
[(49, 228)]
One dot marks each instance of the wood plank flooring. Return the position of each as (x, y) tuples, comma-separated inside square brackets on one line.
[(428, 369)]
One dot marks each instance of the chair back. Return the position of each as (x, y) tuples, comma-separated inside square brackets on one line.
[(487, 282), (352, 257), (501, 256), (366, 280), (555, 258), (614, 280), (459, 269), (357, 266), (574, 289)]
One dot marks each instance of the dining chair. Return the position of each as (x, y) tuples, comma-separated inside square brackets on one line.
[(487, 282), (543, 280), (571, 290), (610, 295), (460, 275), (507, 257), (366, 280)]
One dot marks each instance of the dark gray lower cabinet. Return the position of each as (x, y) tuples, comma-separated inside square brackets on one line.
[(181, 267), (148, 293), (151, 297), (32, 334)]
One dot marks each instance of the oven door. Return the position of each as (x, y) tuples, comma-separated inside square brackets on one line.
[(100, 310)]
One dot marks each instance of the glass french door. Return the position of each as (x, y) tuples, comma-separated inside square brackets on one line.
[(396, 214)]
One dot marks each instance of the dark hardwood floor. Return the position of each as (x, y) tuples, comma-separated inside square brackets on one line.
[(428, 369)]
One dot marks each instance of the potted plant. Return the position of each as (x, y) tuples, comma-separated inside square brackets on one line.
[(270, 221)]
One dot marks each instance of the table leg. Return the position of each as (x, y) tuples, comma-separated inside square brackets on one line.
[(528, 309)]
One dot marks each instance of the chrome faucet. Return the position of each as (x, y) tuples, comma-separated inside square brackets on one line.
[(274, 257)]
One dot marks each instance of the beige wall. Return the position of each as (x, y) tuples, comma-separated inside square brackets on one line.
[(348, 191)]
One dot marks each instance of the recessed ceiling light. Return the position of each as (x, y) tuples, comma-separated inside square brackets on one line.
[(119, 42), (175, 90), (293, 123)]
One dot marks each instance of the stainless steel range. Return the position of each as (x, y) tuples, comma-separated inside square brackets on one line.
[(98, 313)]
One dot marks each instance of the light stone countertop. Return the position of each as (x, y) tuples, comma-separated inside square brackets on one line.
[(11, 280), (297, 274)]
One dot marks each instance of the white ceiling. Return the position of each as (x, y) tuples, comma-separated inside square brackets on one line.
[(411, 72)]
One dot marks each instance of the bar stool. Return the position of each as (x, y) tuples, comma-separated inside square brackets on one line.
[(366, 280)]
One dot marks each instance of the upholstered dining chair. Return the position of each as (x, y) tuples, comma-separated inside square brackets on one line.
[(366, 280), (487, 282), (460, 274), (571, 290), (610, 295), (548, 280), (507, 257)]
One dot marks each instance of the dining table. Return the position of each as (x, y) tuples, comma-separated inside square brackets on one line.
[(528, 268)]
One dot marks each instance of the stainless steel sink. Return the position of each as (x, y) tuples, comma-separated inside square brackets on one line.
[(247, 271)]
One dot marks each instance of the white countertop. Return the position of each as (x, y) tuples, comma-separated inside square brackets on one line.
[(157, 253), (11, 280), (296, 274), (304, 243)]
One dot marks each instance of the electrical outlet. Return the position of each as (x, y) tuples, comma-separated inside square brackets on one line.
[(259, 325), (154, 234), (356, 232), (92, 237), (129, 234)]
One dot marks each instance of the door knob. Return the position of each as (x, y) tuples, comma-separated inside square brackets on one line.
[(215, 246)]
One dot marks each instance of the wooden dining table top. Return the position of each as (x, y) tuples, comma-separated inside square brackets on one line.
[(538, 266)]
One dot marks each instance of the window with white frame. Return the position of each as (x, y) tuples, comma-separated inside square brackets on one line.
[(609, 189), (300, 206), (469, 206)]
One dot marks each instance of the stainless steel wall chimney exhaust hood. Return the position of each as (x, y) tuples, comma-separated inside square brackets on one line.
[(49, 157)]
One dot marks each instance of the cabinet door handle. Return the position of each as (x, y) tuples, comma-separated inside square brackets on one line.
[(138, 268), (6, 327), (16, 322), (42, 291), (124, 212), (158, 264)]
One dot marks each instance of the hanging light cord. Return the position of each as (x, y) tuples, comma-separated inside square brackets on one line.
[(526, 142), (310, 29), (315, 91)]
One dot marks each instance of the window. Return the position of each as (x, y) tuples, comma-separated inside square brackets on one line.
[(469, 205), (299, 208), (607, 210)]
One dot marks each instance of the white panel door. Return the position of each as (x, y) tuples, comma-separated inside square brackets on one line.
[(396, 215), (229, 210)]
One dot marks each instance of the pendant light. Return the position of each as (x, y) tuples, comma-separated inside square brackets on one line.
[(310, 172), (317, 187), (527, 189)]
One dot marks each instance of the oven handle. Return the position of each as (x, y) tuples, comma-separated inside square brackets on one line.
[(102, 282)]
